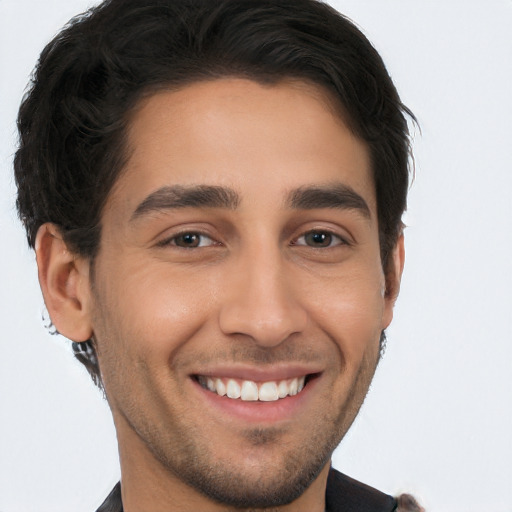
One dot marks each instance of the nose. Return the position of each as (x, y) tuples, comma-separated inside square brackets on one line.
[(260, 300)]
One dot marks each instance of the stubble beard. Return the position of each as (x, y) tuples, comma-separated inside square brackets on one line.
[(266, 488), (190, 461)]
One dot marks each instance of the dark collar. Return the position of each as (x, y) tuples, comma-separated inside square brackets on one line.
[(113, 502), (343, 494)]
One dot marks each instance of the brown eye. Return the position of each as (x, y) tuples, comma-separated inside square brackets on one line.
[(189, 240), (319, 239)]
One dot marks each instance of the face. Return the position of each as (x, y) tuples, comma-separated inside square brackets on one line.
[(238, 294)]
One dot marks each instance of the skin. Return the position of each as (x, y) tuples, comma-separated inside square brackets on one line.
[(259, 288)]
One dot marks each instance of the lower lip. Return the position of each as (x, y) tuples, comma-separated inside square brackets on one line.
[(257, 411)]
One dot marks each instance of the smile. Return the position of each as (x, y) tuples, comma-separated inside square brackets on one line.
[(250, 391)]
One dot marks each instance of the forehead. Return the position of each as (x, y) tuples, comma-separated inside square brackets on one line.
[(259, 140)]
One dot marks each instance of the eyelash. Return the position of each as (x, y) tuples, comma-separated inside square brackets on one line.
[(172, 241), (325, 232)]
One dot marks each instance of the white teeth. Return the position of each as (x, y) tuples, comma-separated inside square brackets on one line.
[(210, 384), (233, 389), (249, 391), (268, 392), (294, 385), (221, 387), (282, 389)]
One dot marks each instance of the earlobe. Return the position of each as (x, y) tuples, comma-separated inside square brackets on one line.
[(64, 280), (395, 267)]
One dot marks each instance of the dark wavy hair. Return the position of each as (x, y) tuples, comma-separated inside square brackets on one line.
[(72, 121)]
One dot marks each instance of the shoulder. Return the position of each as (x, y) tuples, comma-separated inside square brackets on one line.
[(113, 501), (348, 495)]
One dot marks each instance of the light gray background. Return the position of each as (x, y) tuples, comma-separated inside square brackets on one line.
[(438, 419)]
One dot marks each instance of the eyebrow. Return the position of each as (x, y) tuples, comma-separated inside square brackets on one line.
[(179, 196), (337, 196)]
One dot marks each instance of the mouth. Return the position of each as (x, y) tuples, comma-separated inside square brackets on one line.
[(251, 391)]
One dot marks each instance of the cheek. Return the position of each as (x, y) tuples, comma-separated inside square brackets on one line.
[(350, 309), (141, 324), (153, 313)]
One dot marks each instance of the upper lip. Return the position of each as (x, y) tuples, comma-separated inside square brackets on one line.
[(259, 374)]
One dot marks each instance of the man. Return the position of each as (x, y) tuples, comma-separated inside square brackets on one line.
[(214, 191)]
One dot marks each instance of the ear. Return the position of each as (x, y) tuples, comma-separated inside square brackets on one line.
[(65, 283), (393, 271)]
